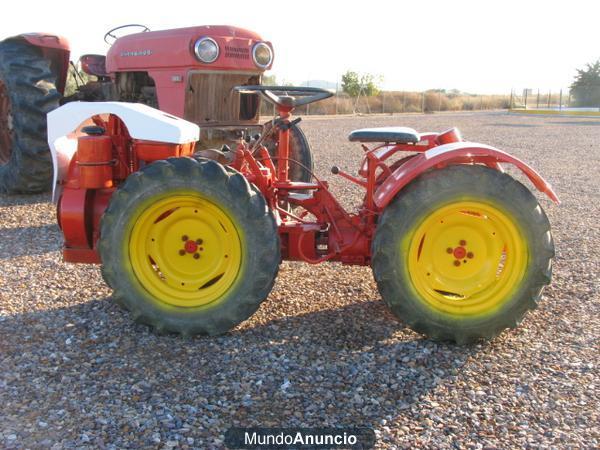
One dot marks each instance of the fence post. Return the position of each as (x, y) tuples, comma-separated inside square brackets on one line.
[(526, 91), (422, 102), (510, 103), (560, 101), (336, 95), (549, 96), (537, 105)]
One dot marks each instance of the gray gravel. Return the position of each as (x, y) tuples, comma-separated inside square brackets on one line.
[(323, 349)]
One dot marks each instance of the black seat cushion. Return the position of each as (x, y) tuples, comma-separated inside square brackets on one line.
[(400, 135)]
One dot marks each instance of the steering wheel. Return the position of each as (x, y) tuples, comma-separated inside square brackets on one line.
[(110, 33), (286, 96)]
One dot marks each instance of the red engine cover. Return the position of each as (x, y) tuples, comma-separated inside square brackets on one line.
[(168, 49)]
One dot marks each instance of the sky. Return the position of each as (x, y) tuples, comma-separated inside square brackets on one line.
[(475, 46)]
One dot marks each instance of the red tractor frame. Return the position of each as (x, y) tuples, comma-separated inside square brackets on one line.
[(459, 249)]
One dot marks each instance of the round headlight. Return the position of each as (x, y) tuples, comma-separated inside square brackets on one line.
[(206, 50), (262, 55)]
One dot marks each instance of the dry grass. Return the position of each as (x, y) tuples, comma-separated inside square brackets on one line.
[(386, 102), (400, 102)]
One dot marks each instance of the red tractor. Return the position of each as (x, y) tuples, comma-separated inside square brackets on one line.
[(189, 73), (459, 249)]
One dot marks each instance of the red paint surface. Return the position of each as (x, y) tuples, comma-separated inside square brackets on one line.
[(459, 252), (458, 153), (191, 246)]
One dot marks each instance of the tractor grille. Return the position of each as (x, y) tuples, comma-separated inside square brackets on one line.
[(237, 52), (211, 101)]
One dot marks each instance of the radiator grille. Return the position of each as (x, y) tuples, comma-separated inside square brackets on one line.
[(210, 99), (237, 52)]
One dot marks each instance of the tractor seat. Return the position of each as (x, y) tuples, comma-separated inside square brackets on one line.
[(398, 135), (94, 65)]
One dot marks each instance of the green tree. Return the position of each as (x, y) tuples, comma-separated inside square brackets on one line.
[(354, 84), (586, 87)]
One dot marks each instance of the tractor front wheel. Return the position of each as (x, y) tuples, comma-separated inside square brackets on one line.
[(189, 246), (462, 253)]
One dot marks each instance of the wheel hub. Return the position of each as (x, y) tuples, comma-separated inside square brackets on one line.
[(165, 236), (191, 246), (466, 257)]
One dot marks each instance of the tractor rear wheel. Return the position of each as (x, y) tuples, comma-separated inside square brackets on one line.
[(27, 93), (299, 151), (462, 253), (189, 246)]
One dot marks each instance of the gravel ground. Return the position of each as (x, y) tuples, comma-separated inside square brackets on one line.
[(323, 349)]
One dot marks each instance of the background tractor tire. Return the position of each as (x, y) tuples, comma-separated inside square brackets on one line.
[(27, 93), (299, 151), (462, 253), (226, 225)]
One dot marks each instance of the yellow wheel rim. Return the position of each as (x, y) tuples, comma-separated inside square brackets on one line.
[(185, 250), (466, 258)]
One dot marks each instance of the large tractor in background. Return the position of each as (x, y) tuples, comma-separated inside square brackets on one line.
[(188, 72)]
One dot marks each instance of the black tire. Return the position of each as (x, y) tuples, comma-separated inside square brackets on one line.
[(299, 151), (224, 187), (30, 86), (397, 229)]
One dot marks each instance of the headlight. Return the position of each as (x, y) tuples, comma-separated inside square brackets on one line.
[(262, 55), (206, 50)]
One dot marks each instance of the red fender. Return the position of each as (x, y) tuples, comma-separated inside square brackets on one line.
[(55, 48), (454, 153)]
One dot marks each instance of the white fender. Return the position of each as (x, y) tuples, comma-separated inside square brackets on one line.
[(142, 122)]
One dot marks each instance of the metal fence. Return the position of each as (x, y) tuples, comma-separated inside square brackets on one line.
[(395, 102), (556, 99)]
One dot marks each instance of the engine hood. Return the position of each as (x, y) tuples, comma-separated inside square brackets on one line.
[(174, 49)]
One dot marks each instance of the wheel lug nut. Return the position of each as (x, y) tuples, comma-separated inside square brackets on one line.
[(184, 237), (196, 255), (449, 250), (470, 255), (199, 241), (456, 262), (182, 252), (463, 242)]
